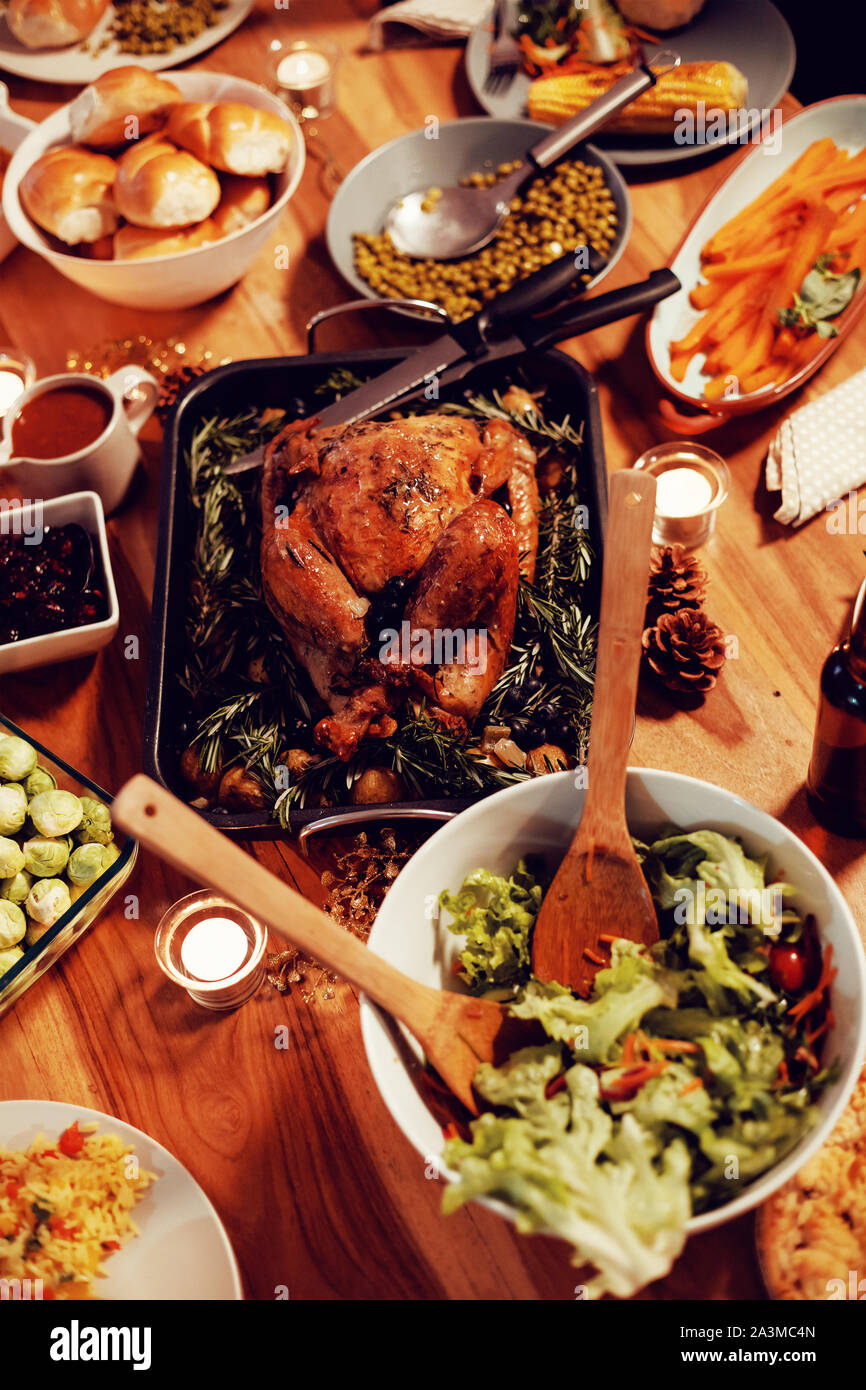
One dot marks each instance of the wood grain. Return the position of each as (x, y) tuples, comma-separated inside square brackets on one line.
[(318, 1189)]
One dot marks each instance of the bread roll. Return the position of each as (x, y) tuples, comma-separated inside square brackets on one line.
[(123, 104), (242, 201), (659, 14), (231, 136), (68, 191), (132, 243), (159, 185), (101, 250), (53, 23)]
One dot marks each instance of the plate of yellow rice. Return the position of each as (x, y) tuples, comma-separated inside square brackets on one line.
[(91, 1208)]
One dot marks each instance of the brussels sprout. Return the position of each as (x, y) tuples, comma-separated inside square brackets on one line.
[(44, 857), (17, 758), (13, 924), (15, 890), (8, 958), (87, 862), (13, 808), (95, 827), (47, 900), (55, 813), (40, 780), (11, 858)]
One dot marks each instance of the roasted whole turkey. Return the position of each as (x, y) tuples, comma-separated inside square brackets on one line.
[(398, 515)]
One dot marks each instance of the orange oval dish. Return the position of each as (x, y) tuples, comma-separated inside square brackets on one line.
[(726, 243)]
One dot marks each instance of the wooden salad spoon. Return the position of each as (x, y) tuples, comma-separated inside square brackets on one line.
[(599, 886), (456, 1031)]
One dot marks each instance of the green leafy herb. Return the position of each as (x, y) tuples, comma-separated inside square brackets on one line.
[(822, 297)]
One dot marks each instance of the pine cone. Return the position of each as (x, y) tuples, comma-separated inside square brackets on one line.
[(685, 650), (676, 581)]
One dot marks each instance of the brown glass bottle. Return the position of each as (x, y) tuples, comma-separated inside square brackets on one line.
[(837, 773)]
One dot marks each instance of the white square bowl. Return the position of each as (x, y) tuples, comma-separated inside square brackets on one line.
[(13, 129), (51, 647)]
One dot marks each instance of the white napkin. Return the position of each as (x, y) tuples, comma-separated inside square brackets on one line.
[(435, 19), (818, 454)]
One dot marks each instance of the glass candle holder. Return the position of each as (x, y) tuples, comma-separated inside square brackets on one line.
[(17, 372), (305, 76), (692, 484), (212, 949)]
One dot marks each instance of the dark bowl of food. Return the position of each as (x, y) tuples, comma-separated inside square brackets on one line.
[(581, 199), (236, 721)]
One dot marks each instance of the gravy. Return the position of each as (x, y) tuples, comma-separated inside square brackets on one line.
[(60, 421)]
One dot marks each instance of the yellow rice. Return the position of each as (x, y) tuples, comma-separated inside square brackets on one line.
[(60, 1216)]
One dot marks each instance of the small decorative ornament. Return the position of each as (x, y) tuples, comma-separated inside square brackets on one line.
[(676, 581), (685, 651)]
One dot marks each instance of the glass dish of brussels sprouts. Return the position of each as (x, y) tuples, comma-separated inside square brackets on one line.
[(59, 860)]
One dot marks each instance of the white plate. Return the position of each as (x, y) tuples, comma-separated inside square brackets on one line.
[(75, 65), (843, 119), (182, 1251), (13, 129)]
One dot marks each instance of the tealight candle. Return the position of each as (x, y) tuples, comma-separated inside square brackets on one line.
[(305, 77), (17, 372), (683, 492), (213, 949), (692, 485)]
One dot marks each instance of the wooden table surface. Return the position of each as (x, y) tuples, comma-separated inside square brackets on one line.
[(316, 1186)]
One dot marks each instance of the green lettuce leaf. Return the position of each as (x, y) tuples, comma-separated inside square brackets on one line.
[(595, 1184), (622, 994), (660, 1101), (496, 915), (708, 949)]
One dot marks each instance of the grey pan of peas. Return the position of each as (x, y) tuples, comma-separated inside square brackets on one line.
[(438, 156)]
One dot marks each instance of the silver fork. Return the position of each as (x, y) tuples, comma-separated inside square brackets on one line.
[(504, 53)]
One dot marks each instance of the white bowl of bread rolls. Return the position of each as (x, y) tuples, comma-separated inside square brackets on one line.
[(153, 192)]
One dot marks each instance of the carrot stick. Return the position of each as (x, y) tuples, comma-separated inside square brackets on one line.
[(694, 1085), (813, 241), (729, 352), (772, 374), (809, 160), (698, 334), (849, 227), (719, 387), (679, 364), (786, 341), (744, 265), (704, 296)]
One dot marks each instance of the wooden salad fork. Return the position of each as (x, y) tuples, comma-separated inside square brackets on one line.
[(599, 888), (456, 1031)]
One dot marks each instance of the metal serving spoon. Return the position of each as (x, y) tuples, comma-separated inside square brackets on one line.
[(442, 225)]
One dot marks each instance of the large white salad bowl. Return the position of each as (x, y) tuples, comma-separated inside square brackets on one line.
[(539, 817)]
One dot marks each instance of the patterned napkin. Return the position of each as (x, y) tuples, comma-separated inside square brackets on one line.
[(818, 455), (441, 20)]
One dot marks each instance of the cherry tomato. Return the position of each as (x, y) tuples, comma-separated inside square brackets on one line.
[(71, 1142), (788, 967)]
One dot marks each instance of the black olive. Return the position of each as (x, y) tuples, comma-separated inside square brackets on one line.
[(560, 731), (526, 732), (531, 686), (513, 700), (543, 714)]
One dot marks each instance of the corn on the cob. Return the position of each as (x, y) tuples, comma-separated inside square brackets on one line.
[(720, 86)]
